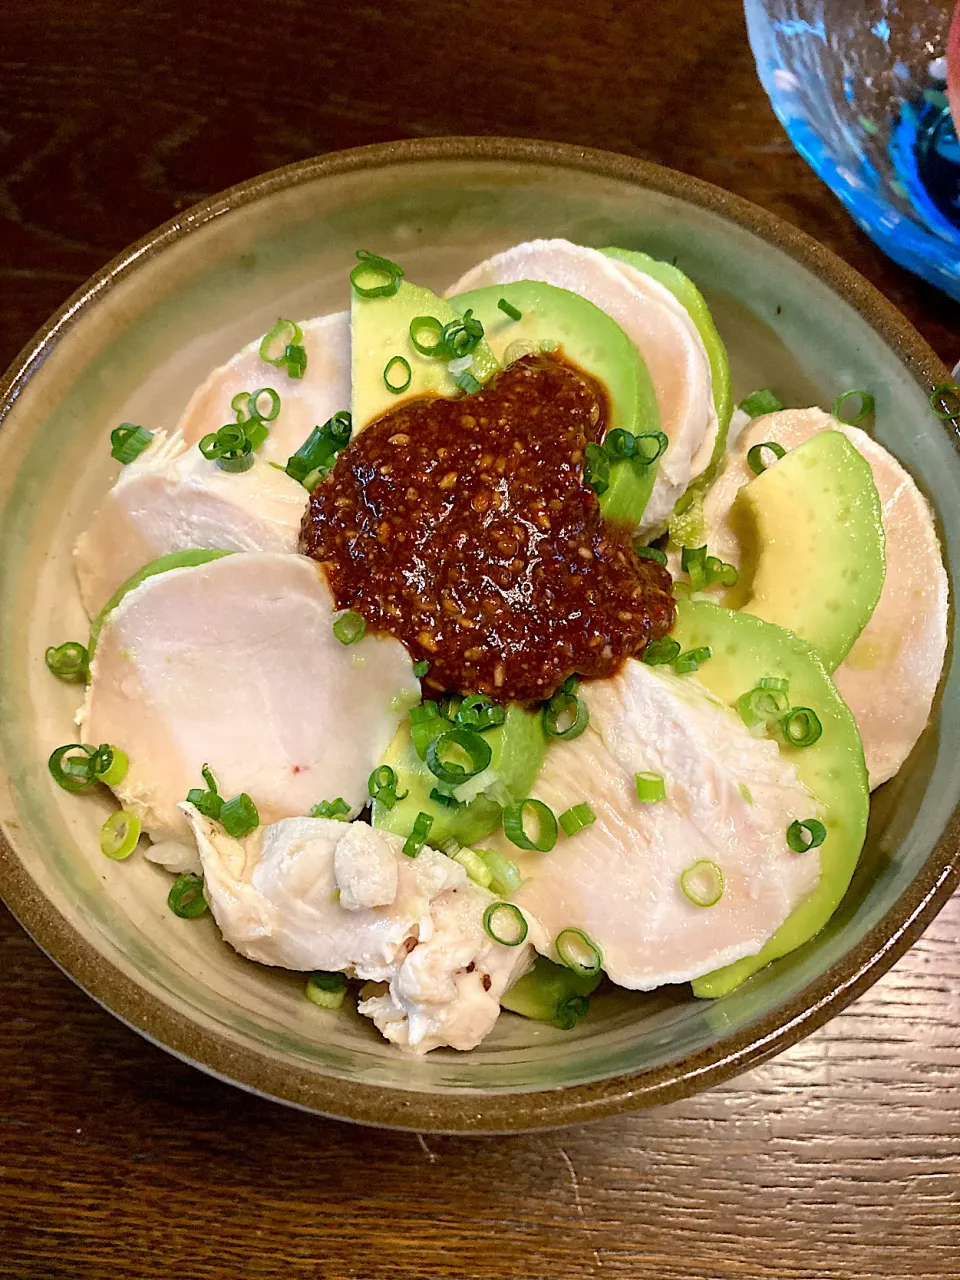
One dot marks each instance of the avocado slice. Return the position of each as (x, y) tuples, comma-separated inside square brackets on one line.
[(589, 338), (380, 330), (744, 650), (812, 526), (173, 560), (542, 993), (518, 747)]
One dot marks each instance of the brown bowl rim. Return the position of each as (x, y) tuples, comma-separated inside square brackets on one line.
[(463, 1112)]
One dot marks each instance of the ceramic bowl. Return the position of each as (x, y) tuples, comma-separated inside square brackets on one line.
[(131, 346)]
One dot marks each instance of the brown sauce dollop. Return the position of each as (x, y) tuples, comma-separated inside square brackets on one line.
[(465, 529)]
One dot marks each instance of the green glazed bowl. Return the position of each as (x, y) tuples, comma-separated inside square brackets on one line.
[(132, 345)]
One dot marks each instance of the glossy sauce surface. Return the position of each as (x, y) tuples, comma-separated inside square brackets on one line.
[(465, 529)]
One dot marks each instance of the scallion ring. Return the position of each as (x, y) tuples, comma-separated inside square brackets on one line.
[(576, 818), (320, 448), (273, 404), (779, 683), (186, 898), (427, 327), (418, 836), (467, 383), (477, 711), (755, 459), (759, 706), (693, 563), (505, 923), (474, 866), (578, 952), (68, 661), (128, 441), (110, 765), (702, 883), (514, 825), (274, 345), (442, 797), (651, 788), (659, 653), (456, 740), (374, 268), (569, 1011), (509, 309), (691, 660), (462, 336), (945, 400), (650, 553), (237, 463), (801, 727), (119, 835), (505, 873), (620, 444), (239, 816), (337, 810), (565, 716), (382, 786), (596, 468), (809, 834), (401, 384), (327, 990), (866, 402), (350, 627), (720, 574), (651, 445)]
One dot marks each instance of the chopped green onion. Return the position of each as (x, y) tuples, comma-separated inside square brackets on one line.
[(576, 818), (273, 404), (337, 810), (240, 404), (349, 627), (660, 653), (569, 1012), (866, 407), (237, 463), (755, 459), (275, 345), (94, 764), (477, 711), (295, 358), (596, 468), (651, 788), (514, 829), (209, 802), (397, 362), (779, 683), (382, 269), (320, 448), (762, 705), (620, 444), (68, 661), (718, 573), (448, 801), (702, 883), (945, 400), (128, 441), (693, 563), (420, 669), (418, 836), (257, 432), (505, 873), (691, 660), (449, 705), (760, 402), (239, 816), (578, 952), (505, 923), (809, 834), (119, 835), (186, 898), (327, 990), (468, 741), (382, 786), (651, 445), (650, 553), (110, 765), (475, 867), (431, 327), (509, 309), (801, 727), (425, 723), (565, 716), (229, 447), (467, 383), (462, 336)]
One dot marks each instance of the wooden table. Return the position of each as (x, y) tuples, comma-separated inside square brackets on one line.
[(841, 1158)]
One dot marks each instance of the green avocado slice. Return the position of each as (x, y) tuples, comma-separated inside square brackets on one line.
[(812, 530), (518, 748), (593, 341), (542, 993), (175, 560), (692, 300), (744, 650)]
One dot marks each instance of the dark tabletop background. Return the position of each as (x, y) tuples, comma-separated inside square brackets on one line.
[(841, 1158)]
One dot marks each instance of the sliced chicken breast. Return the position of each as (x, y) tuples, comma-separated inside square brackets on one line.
[(309, 893), (173, 499), (305, 402), (234, 664), (659, 328), (729, 799), (890, 676)]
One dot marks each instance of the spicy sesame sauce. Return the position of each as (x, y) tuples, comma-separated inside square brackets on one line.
[(465, 529)]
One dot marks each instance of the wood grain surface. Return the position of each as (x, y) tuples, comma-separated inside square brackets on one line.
[(841, 1158)]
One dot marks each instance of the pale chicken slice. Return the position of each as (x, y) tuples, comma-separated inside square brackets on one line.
[(173, 499), (890, 676), (729, 799), (281, 896), (305, 402), (659, 328), (235, 664)]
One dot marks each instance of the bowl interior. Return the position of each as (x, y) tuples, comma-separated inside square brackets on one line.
[(136, 355)]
